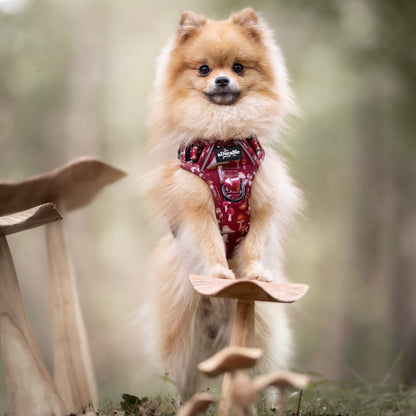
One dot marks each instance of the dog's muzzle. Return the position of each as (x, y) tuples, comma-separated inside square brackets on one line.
[(223, 95)]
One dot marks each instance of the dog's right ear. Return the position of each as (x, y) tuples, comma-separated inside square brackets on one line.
[(189, 24)]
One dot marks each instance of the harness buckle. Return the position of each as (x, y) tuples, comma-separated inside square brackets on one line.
[(242, 195), (254, 144), (193, 152)]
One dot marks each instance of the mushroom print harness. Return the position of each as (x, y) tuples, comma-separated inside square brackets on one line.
[(229, 169)]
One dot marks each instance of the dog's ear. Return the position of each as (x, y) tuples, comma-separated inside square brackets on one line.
[(251, 23), (189, 24)]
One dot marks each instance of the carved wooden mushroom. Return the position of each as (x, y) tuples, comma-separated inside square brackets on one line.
[(30, 388), (247, 292), (282, 380), (69, 187), (241, 395), (197, 404), (243, 391)]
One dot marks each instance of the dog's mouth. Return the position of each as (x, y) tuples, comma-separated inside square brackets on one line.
[(223, 96)]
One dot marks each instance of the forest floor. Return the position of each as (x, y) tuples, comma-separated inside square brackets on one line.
[(323, 398)]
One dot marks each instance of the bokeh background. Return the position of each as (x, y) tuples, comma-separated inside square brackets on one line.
[(75, 77)]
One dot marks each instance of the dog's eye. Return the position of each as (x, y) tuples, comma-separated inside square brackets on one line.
[(238, 68), (204, 70)]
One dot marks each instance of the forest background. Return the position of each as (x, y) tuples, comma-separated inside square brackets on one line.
[(75, 77)]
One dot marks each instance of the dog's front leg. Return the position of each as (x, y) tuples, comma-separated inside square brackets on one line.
[(198, 231), (252, 252), (200, 236)]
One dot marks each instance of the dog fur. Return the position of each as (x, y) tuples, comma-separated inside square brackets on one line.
[(183, 108)]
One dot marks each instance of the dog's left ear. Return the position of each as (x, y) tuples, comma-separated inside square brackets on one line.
[(249, 20)]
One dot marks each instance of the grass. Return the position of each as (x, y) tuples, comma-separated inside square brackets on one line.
[(345, 399), (323, 398)]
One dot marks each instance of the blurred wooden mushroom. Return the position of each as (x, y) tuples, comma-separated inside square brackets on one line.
[(282, 380), (69, 187), (241, 394), (247, 292), (197, 404), (30, 388)]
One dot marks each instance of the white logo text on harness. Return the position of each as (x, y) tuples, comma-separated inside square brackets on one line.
[(226, 154)]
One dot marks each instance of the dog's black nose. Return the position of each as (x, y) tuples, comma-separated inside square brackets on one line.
[(222, 81)]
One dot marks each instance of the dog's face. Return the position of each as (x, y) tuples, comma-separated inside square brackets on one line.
[(221, 62), (220, 79)]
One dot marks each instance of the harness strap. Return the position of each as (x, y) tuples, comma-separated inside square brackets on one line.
[(229, 169)]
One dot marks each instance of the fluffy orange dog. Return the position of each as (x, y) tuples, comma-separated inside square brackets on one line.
[(222, 83)]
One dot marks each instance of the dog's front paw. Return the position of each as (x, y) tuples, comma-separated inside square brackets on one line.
[(257, 273), (221, 272)]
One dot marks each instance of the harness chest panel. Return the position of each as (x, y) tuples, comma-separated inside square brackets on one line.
[(229, 169)]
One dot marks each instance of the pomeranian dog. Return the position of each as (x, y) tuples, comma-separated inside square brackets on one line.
[(221, 97)]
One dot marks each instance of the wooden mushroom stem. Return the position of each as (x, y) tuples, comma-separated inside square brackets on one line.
[(30, 388), (73, 369), (242, 394), (242, 335), (244, 324)]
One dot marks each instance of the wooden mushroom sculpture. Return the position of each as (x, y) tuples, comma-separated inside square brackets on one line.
[(247, 292), (69, 187), (30, 388), (241, 395), (197, 404), (243, 392), (282, 380)]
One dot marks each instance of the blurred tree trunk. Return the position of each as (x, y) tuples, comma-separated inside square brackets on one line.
[(403, 268), (386, 215)]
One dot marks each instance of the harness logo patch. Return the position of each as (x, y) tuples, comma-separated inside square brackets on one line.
[(226, 154)]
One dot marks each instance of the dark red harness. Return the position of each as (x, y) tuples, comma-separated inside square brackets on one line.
[(228, 168)]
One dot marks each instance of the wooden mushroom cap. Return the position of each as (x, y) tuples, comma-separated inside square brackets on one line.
[(248, 289), (198, 403), (281, 380), (230, 359), (72, 185), (30, 218)]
